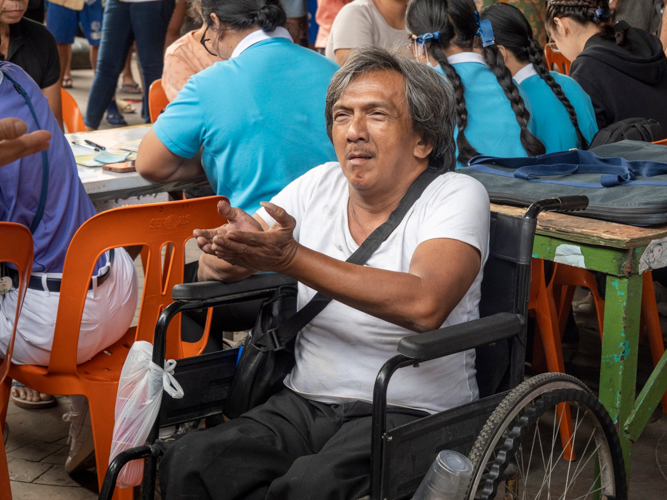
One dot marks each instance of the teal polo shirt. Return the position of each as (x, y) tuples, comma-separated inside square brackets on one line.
[(259, 117)]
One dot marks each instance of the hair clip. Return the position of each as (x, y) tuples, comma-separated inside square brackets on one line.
[(485, 31), (427, 37), (600, 15)]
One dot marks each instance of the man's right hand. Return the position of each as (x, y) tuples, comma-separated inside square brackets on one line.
[(14, 144), (237, 220)]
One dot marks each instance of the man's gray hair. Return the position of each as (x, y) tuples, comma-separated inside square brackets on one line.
[(429, 98)]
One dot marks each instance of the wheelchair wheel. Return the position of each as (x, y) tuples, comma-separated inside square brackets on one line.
[(518, 454)]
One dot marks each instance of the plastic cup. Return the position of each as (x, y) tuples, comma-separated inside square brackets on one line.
[(446, 479)]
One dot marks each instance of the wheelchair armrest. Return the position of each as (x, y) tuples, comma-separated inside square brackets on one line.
[(190, 292), (461, 337)]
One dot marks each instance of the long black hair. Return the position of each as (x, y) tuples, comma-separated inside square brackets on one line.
[(513, 31), (243, 14), (455, 20), (588, 11)]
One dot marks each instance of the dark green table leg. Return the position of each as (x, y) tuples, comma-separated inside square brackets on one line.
[(618, 371)]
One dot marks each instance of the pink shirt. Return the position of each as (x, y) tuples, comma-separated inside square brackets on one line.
[(183, 58), (327, 10)]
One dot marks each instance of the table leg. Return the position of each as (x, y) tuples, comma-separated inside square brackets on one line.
[(618, 371)]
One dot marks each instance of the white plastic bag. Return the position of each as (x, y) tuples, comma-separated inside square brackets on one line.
[(137, 405)]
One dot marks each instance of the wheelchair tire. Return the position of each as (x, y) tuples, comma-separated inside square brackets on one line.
[(508, 446)]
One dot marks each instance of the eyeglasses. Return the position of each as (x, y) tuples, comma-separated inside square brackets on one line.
[(204, 40)]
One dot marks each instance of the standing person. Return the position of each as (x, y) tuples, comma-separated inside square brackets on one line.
[(366, 23), (31, 46), (146, 22), (492, 117), (563, 115), (622, 69), (327, 10), (63, 17)]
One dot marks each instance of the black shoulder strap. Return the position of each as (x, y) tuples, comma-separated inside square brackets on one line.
[(45, 160), (288, 330)]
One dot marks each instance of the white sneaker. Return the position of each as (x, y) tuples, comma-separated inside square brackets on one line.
[(585, 305), (82, 447)]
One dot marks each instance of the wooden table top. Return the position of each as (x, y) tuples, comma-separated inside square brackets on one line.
[(589, 231)]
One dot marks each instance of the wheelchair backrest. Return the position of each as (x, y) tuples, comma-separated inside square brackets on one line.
[(505, 288)]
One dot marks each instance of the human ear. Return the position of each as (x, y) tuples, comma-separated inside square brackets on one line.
[(561, 26), (422, 149), (503, 52)]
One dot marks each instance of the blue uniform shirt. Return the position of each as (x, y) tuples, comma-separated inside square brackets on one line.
[(492, 127), (67, 204), (551, 122), (259, 117)]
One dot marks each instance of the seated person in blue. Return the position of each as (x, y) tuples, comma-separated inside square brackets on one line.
[(492, 117), (389, 119), (563, 115), (257, 118), (112, 298)]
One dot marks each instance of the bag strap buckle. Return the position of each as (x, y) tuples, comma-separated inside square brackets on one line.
[(270, 341)]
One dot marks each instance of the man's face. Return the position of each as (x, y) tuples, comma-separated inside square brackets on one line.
[(11, 11), (372, 133)]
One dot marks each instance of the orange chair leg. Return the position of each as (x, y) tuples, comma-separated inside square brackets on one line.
[(101, 410), (651, 319), (5, 485), (547, 321)]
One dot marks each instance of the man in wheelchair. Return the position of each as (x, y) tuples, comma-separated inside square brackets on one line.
[(390, 119)]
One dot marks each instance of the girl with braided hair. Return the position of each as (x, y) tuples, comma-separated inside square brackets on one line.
[(622, 69), (563, 114), (492, 116)]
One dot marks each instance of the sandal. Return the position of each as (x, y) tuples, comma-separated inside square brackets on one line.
[(32, 405), (125, 107), (113, 115), (67, 83), (131, 88)]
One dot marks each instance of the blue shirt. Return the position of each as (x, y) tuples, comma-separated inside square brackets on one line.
[(551, 121), (259, 117), (67, 204), (492, 127)]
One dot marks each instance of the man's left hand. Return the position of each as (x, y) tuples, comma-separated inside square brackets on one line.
[(271, 250)]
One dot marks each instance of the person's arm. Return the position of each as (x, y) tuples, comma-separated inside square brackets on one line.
[(14, 144), (54, 97), (175, 23), (420, 299), (157, 163)]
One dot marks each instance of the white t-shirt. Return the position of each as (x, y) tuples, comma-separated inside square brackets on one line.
[(360, 24), (339, 354)]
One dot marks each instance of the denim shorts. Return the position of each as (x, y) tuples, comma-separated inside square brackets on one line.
[(63, 22)]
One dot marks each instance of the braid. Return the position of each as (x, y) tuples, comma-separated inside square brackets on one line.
[(494, 58), (536, 59), (466, 150)]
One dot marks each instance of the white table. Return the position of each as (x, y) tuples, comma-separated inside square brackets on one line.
[(110, 189)]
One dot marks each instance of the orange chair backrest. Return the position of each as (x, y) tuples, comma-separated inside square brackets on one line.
[(72, 117), (157, 100), (553, 57), (155, 226), (18, 250), (662, 142)]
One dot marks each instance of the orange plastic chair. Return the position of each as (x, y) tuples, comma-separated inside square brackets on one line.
[(72, 117), (553, 57), (157, 100), (662, 142), (19, 253), (155, 226)]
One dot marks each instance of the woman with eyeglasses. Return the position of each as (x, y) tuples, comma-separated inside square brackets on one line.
[(186, 56), (254, 121), (125, 21)]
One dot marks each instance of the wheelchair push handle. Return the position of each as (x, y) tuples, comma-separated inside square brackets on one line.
[(560, 204)]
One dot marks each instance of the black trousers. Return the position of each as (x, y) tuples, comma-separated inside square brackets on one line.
[(289, 448)]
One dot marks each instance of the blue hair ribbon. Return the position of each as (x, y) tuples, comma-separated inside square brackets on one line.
[(600, 15), (427, 37), (485, 31)]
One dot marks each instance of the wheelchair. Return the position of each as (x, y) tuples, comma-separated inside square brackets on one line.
[(511, 434)]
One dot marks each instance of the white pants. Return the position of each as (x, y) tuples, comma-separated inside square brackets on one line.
[(107, 315)]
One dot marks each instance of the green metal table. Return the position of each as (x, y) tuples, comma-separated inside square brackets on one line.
[(615, 250)]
